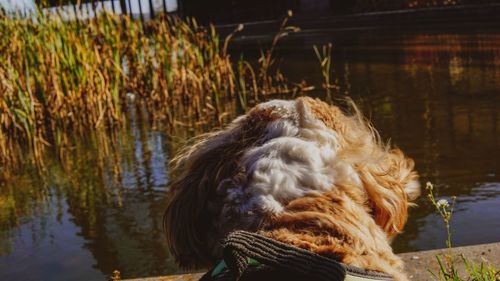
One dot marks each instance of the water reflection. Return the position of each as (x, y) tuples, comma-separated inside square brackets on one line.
[(434, 95), (98, 212)]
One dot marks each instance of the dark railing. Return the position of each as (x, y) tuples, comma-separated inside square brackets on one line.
[(139, 8), (236, 11)]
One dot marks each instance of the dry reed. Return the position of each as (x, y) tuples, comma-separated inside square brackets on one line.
[(61, 79)]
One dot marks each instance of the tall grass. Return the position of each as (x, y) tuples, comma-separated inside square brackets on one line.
[(61, 79), (325, 60)]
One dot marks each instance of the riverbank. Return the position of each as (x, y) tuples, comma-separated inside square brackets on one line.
[(418, 264)]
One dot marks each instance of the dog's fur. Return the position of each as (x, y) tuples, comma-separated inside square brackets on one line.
[(301, 172)]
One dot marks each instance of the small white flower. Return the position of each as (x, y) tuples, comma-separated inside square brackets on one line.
[(443, 203), (428, 185)]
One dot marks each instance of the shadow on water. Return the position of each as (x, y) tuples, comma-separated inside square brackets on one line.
[(436, 96)]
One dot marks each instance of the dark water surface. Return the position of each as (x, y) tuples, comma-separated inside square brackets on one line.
[(435, 95)]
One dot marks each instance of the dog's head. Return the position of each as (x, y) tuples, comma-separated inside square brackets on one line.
[(242, 176)]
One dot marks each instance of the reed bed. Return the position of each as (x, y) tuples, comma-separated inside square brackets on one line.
[(61, 79)]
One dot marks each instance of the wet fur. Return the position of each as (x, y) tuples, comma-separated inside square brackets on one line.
[(301, 172)]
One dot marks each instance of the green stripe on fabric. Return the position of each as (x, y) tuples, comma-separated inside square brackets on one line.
[(222, 265), (219, 268)]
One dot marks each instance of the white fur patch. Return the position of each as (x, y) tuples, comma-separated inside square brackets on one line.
[(297, 156)]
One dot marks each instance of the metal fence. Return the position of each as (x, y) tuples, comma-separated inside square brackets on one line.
[(143, 9)]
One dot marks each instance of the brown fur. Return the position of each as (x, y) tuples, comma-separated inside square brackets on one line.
[(339, 225), (352, 223), (192, 231)]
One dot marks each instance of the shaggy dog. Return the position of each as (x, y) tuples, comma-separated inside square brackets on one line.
[(301, 172)]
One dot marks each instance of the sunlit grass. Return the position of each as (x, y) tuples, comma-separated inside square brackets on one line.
[(62, 79)]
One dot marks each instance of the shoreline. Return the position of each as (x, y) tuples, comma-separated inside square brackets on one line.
[(417, 264), (469, 17)]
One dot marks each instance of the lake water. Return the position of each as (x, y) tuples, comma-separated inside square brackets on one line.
[(436, 95)]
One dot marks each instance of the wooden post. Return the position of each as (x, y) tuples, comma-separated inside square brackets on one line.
[(103, 6), (123, 6), (140, 11), (151, 9), (181, 8), (76, 13), (164, 7), (130, 11), (93, 8)]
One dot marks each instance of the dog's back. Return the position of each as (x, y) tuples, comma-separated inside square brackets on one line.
[(300, 172)]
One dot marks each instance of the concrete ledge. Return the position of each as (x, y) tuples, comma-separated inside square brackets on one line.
[(182, 277), (418, 264)]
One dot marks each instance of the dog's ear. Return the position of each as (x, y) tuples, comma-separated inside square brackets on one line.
[(391, 185), (187, 221), (191, 220), (386, 175)]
